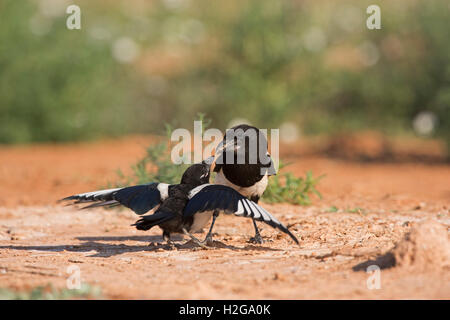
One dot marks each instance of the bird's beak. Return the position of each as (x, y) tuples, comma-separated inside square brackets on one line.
[(209, 161), (226, 145), (271, 171)]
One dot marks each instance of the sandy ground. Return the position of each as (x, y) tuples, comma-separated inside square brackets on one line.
[(378, 205)]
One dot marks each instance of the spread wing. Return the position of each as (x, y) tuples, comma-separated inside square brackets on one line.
[(209, 197), (140, 199)]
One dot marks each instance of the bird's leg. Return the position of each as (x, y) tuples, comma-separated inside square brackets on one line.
[(208, 240), (200, 243), (166, 237), (257, 238)]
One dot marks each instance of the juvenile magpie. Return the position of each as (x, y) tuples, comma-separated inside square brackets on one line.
[(170, 199), (243, 163)]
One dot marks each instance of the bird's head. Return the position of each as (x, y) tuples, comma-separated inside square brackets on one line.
[(245, 144), (198, 173)]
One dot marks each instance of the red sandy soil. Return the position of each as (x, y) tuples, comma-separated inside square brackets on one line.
[(381, 209)]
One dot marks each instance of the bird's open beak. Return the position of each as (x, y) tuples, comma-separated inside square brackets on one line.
[(226, 145), (209, 161), (271, 171)]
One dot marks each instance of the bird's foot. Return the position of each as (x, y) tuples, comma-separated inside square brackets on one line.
[(171, 246), (257, 239), (168, 245), (208, 240), (195, 240), (200, 243)]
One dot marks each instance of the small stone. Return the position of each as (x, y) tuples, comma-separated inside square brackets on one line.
[(421, 205), (278, 276)]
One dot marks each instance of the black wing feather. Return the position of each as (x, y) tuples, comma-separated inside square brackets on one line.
[(218, 197), (140, 199)]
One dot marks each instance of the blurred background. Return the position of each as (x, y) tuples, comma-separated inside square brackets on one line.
[(308, 67)]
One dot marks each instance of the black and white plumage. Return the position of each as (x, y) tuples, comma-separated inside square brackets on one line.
[(140, 199), (212, 199), (169, 200), (182, 208), (247, 177)]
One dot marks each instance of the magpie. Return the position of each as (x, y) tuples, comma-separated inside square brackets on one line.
[(168, 199), (244, 164)]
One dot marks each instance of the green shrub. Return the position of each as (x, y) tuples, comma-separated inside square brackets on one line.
[(155, 166), (285, 187)]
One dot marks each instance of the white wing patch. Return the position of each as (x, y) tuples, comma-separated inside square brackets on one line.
[(269, 216), (196, 190), (254, 209), (163, 189), (247, 208), (240, 209), (264, 215), (97, 193)]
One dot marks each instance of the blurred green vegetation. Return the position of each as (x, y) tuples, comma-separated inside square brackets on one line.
[(285, 187), (55, 84), (313, 63), (48, 292), (155, 165)]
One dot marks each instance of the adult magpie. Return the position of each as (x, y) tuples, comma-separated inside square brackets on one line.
[(181, 208), (244, 163)]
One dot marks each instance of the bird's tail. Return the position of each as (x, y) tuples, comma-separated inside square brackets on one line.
[(147, 222)]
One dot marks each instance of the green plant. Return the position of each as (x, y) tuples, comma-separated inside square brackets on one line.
[(332, 209), (285, 187), (50, 293), (157, 165)]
